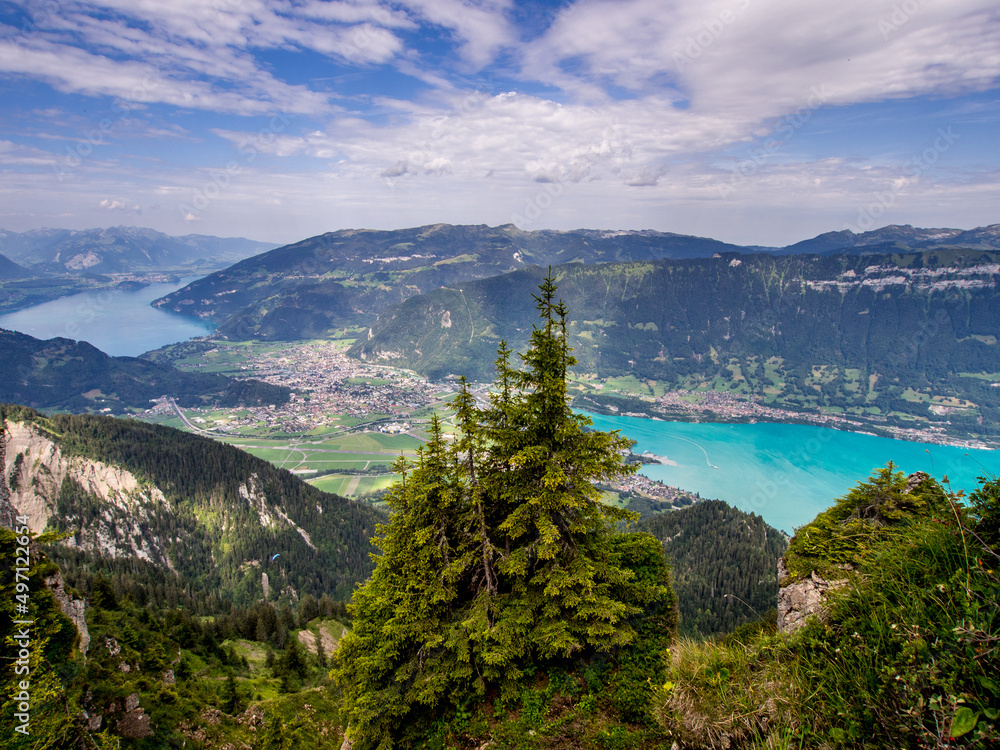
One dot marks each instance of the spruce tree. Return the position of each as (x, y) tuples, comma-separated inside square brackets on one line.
[(499, 555)]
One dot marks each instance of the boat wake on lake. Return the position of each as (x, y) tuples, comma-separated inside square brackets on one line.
[(700, 447)]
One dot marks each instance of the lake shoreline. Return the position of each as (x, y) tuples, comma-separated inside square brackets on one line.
[(117, 319), (777, 415), (785, 472)]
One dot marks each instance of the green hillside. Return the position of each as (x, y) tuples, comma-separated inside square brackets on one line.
[(724, 565), (224, 514), (900, 651), (64, 374), (507, 608), (872, 335)]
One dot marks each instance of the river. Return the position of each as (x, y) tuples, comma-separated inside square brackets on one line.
[(786, 473), (118, 322)]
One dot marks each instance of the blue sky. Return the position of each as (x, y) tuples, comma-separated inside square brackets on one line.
[(751, 121)]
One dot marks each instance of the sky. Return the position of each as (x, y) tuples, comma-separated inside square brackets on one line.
[(758, 122)]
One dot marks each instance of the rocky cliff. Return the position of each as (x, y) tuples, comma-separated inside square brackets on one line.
[(182, 509), (36, 473)]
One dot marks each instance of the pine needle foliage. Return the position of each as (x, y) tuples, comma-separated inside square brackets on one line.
[(499, 557)]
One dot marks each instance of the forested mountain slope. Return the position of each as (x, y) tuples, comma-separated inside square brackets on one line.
[(61, 373), (724, 565), (870, 327), (323, 284), (165, 500), (345, 278)]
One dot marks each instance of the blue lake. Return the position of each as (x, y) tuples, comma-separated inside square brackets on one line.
[(120, 323), (783, 472)]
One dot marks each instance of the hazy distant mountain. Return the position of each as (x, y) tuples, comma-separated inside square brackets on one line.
[(895, 236), (74, 375), (11, 270), (121, 249), (988, 236)]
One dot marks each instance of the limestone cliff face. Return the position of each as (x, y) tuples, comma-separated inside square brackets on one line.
[(8, 516), (74, 609), (35, 471), (252, 491)]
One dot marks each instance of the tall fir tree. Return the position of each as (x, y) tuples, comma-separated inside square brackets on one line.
[(500, 555)]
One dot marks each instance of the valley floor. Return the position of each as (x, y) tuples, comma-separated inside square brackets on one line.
[(348, 421)]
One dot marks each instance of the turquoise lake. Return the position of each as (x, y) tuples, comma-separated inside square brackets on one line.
[(783, 472), (120, 323)]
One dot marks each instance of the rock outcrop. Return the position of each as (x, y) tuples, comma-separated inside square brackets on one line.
[(74, 609), (135, 723), (802, 599), (35, 470)]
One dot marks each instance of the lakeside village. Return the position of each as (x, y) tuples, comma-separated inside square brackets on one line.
[(328, 386), (722, 406), (334, 392)]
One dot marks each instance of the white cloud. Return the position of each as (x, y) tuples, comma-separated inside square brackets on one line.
[(733, 56), (202, 52), (481, 25), (15, 154), (119, 204), (73, 70), (639, 113)]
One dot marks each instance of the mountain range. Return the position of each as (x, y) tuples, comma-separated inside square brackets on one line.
[(120, 249), (895, 237), (868, 334), (345, 279)]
